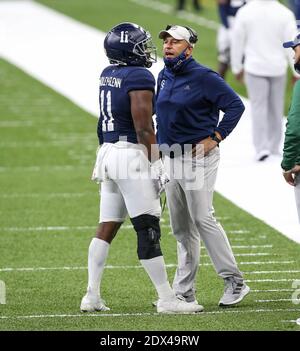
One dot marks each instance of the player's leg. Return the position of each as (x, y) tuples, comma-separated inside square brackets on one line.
[(223, 47), (143, 206), (200, 204), (112, 215), (258, 91), (276, 111)]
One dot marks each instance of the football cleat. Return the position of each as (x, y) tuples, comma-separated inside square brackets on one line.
[(92, 303), (176, 305), (234, 292)]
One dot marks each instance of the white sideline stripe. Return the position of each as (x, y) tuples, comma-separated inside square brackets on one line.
[(168, 9), (170, 265), (27, 42), (146, 314)]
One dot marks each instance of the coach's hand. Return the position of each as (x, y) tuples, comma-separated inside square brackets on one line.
[(204, 146)]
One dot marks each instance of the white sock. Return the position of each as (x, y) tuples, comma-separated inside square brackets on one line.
[(156, 269), (98, 251)]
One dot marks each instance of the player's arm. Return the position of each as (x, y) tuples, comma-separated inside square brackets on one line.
[(141, 111)]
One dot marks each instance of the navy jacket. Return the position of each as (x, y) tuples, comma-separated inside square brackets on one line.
[(188, 105)]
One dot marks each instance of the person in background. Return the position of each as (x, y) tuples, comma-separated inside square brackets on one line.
[(227, 12), (295, 7), (196, 4), (260, 28), (291, 151)]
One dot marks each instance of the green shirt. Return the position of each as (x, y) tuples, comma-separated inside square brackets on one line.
[(291, 150)]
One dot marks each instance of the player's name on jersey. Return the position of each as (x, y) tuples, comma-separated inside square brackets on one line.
[(111, 82)]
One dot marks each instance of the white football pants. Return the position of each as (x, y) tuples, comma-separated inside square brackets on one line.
[(192, 218), (126, 187), (266, 96)]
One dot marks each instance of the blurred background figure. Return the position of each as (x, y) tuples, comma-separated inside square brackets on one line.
[(227, 11), (291, 152), (260, 28), (196, 3), (295, 7)]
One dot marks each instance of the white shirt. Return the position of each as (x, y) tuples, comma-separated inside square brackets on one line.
[(260, 29)]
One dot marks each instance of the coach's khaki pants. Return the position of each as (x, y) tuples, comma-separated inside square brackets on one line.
[(192, 218)]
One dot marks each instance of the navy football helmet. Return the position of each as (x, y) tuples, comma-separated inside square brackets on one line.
[(129, 44)]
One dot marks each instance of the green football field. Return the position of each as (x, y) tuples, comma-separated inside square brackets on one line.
[(49, 212)]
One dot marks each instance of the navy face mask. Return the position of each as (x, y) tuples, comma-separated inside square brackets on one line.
[(174, 64), (297, 67)]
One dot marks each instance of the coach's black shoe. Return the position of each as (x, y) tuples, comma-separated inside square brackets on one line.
[(234, 292)]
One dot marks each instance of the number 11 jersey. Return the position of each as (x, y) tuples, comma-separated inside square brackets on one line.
[(115, 122)]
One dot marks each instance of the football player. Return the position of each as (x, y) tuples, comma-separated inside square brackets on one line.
[(128, 165)]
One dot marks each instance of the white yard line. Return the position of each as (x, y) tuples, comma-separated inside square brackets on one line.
[(169, 265), (272, 272), (51, 46), (238, 231), (272, 290), (259, 263), (295, 301), (124, 226), (297, 321), (51, 168), (94, 315), (270, 280), (41, 195)]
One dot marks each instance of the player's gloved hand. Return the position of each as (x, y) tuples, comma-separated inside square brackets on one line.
[(159, 175), (97, 174)]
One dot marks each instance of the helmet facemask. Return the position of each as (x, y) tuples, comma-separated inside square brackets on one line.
[(146, 49)]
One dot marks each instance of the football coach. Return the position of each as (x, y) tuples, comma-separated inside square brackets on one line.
[(189, 99)]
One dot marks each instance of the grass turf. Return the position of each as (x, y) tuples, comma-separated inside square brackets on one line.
[(49, 210)]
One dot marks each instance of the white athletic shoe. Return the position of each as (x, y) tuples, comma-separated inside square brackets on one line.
[(91, 303), (180, 297), (177, 305), (234, 292)]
